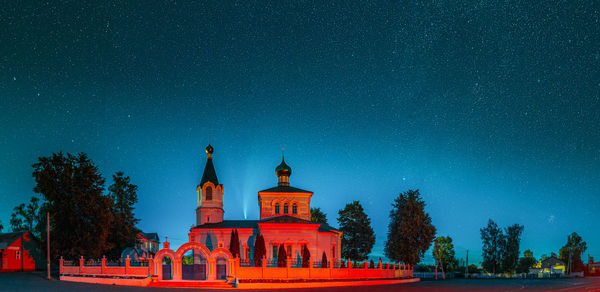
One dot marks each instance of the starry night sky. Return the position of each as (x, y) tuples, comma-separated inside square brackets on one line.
[(491, 109)]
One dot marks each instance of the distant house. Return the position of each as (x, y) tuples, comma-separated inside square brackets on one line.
[(146, 245), (549, 266), (18, 251), (593, 268)]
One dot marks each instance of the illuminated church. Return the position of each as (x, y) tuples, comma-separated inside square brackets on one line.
[(284, 219)]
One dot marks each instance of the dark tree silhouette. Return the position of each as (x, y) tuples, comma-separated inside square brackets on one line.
[(80, 215), (493, 241), (324, 263), (305, 256), (234, 243), (259, 250), (410, 231), (281, 257), (316, 215), (123, 195), (510, 248), (571, 253), (358, 237)]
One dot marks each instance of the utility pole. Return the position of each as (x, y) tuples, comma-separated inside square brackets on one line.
[(48, 242), (467, 265)]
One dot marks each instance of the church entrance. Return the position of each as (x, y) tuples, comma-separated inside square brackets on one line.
[(221, 268), (193, 266)]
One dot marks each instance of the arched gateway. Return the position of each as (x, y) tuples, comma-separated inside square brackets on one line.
[(201, 265)]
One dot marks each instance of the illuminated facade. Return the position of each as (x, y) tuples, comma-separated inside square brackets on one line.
[(284, 221), (205, 260)]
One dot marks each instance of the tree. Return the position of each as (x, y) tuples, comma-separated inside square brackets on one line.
[(510, 248), (571, 253), (493, 241), (358, 237), (443, 253), (316, 215), (25, 217), (259, 250), (472, 269), (324, 262), (80, 214), (281, 257), (123, 232), (526, 262), (234, 243), (410, 231), (305, 256)]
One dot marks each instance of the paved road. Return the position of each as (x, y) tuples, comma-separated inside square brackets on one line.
[(37, 282)]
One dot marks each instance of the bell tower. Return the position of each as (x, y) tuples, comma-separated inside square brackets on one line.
[(210, 194)]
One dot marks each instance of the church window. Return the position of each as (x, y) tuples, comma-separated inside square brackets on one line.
[(207, 219), (277, 208), (285, 208), (208, 193), (294, 208), (333, 252)]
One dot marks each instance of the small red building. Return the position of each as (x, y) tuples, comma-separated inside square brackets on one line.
[(17, 251)]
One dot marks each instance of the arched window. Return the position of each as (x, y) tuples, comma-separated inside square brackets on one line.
[(285, 208), (294, 208), (208, 193), (276, 208)]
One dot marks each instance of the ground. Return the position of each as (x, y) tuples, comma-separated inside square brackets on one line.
[(35, 281)]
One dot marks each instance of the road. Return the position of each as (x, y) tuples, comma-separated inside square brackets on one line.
[(35, 281)]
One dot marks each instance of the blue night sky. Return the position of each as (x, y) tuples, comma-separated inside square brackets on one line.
[(490, 109)]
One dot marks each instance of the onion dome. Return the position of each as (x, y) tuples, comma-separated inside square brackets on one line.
[(283, 169), (209, 150)]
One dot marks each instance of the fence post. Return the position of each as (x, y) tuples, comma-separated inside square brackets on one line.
[(379, 265), (264, 262), (151, 266), (103, 265), (366, 264), (61, 265), (349, 264), (127, 263), (81, 263)]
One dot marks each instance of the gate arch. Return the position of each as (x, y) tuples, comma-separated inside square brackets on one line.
[(158, 258), (193, 245), (197, 269), (222, 259), (221, 251)]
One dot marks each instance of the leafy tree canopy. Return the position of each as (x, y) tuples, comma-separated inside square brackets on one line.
[(123, 195), (443, 252), (410, 231), (493, 240), (510, 247), (80, 214), (571, 253), (316, 215), (358, 237), (526, 262)]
